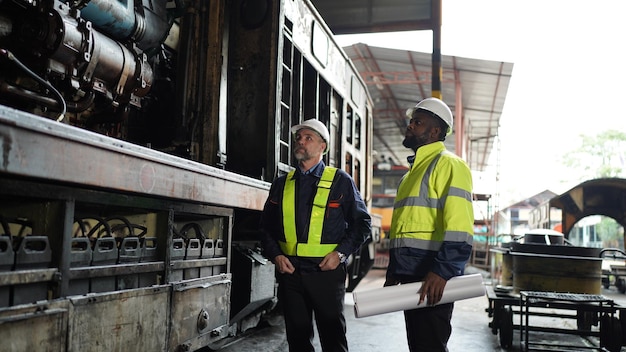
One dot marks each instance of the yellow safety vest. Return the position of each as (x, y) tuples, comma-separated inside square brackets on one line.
[(313, 247), (434, 201)]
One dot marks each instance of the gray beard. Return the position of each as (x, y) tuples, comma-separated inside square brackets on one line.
[(302, 156)]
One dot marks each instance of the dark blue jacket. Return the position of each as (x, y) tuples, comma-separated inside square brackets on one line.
[(347, 221)]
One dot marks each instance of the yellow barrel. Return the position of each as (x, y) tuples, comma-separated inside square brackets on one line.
[(556, 273), (501, 266), (507, 269)]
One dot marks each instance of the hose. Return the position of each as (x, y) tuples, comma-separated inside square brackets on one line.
[(9, 55)]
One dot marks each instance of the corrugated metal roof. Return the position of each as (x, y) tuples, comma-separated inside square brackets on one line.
[(398, 79), (369, 16)]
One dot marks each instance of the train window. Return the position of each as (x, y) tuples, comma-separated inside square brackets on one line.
[(296, 93), (286, 100), (323, 101), (348, 125), (284, 153), (348, 167), (319, 44), (357, 174), (357, 131), (288, 26), (356, 92), (287, 50), (336, 129), (286, 88), (284, 138), (309, 91)]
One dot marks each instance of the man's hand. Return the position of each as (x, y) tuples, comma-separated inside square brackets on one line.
[(330, 262), (283, 264), (432, 289)]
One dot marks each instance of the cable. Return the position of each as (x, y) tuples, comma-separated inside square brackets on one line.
[(9, 55)]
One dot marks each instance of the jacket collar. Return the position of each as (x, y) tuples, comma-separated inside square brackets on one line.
[(426, 152), (316, 170)]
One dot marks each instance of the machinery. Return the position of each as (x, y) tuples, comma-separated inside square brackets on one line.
[(546, 276), (139, 139)]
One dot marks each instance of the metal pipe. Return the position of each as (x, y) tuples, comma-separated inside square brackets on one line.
[(437, 70)]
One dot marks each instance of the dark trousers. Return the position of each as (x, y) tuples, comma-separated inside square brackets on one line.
[(320, 295), (428, 329)]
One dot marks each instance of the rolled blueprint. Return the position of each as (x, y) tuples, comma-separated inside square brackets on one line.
[(404, 297)]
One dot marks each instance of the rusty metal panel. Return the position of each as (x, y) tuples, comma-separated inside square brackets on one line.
[(254, 281), (132, 320), (29, 327), (200, 311), (114, 164), (252, 87)]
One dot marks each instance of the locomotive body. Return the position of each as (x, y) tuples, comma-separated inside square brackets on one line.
[(139, 141)]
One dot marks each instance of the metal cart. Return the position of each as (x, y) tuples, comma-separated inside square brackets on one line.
[(614, 272), (587, 307), (587, 310), (501, 310)]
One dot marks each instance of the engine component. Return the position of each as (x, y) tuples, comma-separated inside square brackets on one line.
[(81, 48)]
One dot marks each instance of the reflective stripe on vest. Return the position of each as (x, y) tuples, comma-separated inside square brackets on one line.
[(314, 246)]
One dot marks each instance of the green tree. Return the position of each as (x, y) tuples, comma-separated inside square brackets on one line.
[(602, 155), (610, 232)]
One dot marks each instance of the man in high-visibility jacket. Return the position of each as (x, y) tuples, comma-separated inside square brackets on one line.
[(432, 224), (313, 220)]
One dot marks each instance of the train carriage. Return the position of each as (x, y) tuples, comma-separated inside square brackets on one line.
[(139, 143)]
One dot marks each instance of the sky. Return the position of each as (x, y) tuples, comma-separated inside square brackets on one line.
[(568, 80)]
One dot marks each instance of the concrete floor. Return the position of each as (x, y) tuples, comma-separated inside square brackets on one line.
[(470, 324), (386, 332)]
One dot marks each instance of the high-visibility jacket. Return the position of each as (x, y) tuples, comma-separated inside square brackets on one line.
[(433, 217), (313, 247)]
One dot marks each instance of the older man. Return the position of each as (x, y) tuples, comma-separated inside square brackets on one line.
[(313, 219)]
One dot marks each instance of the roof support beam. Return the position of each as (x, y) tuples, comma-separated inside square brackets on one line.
[(405, 77), (437, 71), (461, 142)]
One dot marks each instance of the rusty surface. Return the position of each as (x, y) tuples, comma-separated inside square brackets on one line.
[(29, 327), (103, 323), (45, 149), (200, 308)]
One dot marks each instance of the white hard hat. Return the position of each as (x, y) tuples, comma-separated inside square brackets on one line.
[(437, 107), (317, 126)]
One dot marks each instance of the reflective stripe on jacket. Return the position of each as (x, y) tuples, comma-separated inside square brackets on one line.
[(434, 202), (314, 246)]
